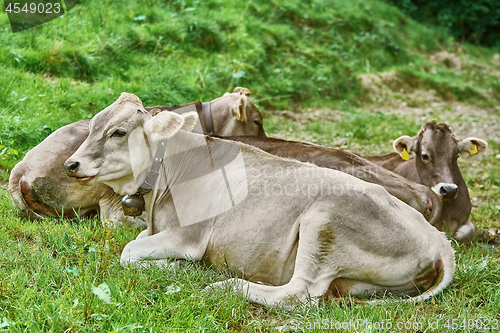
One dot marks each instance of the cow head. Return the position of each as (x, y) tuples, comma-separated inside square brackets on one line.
[(436, 152), (238, 116), (120, 142)]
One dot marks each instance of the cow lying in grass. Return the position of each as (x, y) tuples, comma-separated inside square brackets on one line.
[(431, 159), (39, 186), (300, 229)]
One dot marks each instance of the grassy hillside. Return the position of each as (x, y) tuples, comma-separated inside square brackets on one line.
[(290, 55), (350, 74)]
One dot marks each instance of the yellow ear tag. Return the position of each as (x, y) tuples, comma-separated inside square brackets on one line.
[(474, 150), (405, 155)]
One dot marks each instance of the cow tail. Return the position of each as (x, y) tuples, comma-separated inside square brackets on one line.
[(15, 189), (16, 194)]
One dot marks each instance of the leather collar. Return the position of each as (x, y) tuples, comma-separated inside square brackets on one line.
[(207, 117)]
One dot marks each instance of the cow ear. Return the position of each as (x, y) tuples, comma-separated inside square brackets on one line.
[(402, 144), (164, 125), (471, 146), (242, 91), (154, 111), (190, 119), (239, 108)]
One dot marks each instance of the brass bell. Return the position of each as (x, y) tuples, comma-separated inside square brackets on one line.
[(133, 205)]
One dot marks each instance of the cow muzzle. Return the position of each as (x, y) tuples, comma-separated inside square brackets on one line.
[(446, 190), (72, 169)]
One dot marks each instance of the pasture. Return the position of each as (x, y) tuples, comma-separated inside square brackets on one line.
[(352, 75)]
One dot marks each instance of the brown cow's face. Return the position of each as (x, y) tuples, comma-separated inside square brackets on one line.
[(436, 160), (238, 116), (436, 152)]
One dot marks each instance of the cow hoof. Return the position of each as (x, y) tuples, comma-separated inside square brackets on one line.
[(177, 264), (212, 287), (232, 283), (164, 264)]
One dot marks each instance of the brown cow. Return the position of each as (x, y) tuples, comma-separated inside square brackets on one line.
[(40, 187), (433, 156), (418, 196)]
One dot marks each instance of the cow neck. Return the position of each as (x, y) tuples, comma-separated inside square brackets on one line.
[(206, 114), (133, 205), (186, 153)]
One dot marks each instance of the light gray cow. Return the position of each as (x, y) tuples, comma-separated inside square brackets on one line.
[(299, 229)]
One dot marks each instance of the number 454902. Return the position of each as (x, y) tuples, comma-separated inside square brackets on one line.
[(480, 324), (39, 8)]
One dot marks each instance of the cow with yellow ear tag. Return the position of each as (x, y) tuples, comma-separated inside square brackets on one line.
[(431, 158)]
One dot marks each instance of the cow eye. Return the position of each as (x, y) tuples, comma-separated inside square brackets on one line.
[(425, 157), (258, 123), (118, 134)]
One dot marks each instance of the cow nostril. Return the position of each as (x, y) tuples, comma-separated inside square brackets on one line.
[(73, 167), (449, 191), (443, 191)]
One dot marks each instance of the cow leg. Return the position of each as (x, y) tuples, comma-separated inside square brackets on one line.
[(312, 276), (465, 233), (314, 287), (303, 286), (160, 249), (294, 292)]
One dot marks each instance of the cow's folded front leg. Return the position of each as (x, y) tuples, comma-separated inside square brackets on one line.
[(291, 294), (159, 249)]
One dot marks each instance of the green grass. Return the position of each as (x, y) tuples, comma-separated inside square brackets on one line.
[(47, 275), (301, 56), (359, 128)]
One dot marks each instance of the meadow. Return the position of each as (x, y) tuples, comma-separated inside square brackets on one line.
[(353, 75)]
